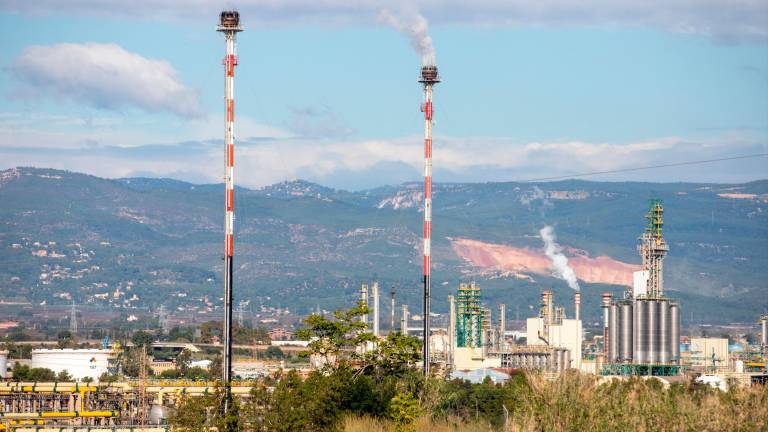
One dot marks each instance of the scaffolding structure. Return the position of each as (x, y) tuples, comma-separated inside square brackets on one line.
[(469, 314), (653, 249)]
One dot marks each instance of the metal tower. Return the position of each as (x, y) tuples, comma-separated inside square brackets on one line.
[(653, 248), (73, 319), (429, 78), (162, 319), (469, 311), (229, 24)]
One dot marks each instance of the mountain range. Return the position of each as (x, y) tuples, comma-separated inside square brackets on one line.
[(142, 242)]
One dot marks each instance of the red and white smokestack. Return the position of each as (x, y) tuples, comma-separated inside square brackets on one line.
[(229, 24), (577, 304), (429, 77)]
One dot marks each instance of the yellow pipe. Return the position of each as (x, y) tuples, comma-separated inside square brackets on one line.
[(92, 429), (56, 415)]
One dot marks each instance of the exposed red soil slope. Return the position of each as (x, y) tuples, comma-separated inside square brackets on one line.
[(602, 269)]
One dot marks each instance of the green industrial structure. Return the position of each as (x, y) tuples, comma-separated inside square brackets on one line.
[(469, 314)]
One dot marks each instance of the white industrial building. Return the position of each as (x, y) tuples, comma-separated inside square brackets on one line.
[(553, 329), (80, 363), (3, 364)]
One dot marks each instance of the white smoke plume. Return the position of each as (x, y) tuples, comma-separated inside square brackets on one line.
[(559, 261), (412, 24)]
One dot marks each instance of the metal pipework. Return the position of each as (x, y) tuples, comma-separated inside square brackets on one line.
[(229, 24), (429, 77)]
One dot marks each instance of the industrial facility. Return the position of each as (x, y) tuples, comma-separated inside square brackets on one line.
[(638, 334), (642, 330)]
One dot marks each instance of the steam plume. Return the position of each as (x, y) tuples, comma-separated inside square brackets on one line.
[(559, 261), (416, 27)]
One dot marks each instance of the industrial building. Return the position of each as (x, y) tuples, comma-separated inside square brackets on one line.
[(3, 364), (80, 363), (642, 330), (553, 329), (553, 340)]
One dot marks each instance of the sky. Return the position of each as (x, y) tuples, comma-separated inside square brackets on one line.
[(327, 90)]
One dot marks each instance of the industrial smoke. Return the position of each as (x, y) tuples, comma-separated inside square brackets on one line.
[(559, 261), (416, 27)]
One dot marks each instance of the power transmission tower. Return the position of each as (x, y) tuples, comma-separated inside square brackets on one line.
[(73, 319)]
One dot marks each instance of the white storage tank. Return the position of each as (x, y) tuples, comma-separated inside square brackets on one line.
[(3, 364), (80, 363)]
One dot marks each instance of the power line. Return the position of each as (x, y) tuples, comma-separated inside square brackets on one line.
[(643, 168)]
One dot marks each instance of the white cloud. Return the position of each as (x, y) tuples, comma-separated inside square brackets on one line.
[(730, 19), (267, 161), (104, 76)]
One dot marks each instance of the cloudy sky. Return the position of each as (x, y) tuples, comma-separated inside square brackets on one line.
[(326, 89)]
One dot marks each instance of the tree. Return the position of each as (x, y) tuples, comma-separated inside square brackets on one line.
[(216, 366), (392, 357), (170, 374), (66, 339), (404, 410), (142, 339), (183, 360), (275, 353), (328, 336), (64, 376)]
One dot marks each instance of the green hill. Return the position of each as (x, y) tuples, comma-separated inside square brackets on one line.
[(141, 242)]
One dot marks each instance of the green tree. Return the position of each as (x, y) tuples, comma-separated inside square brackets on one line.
[(183, 360), (64, 376), (41, 374), (216, 367), (404, 410), (274, 352), (328, 336), (65, 339), (142, 339)]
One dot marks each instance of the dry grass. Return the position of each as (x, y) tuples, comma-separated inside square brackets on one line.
[(424, 424), (578, 403)]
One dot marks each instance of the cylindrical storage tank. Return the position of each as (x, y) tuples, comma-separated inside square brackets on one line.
[(80, 363), (158, 414), (3, 364), (674, 332), (640, 332), (764, 330), (566, 359), (664, 331), (625, 332), (613, 333), (652, 353)]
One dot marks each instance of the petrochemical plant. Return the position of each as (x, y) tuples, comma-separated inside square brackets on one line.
[(639, 332)]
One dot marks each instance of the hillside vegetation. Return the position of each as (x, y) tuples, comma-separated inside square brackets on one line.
[(141, 242)]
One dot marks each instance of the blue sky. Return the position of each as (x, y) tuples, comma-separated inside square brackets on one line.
[(329, 93)]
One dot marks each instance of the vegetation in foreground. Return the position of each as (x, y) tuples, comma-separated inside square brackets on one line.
[(380, 390)]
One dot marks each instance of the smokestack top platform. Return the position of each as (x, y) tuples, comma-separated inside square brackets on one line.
[(229, 21), (429, 75)]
